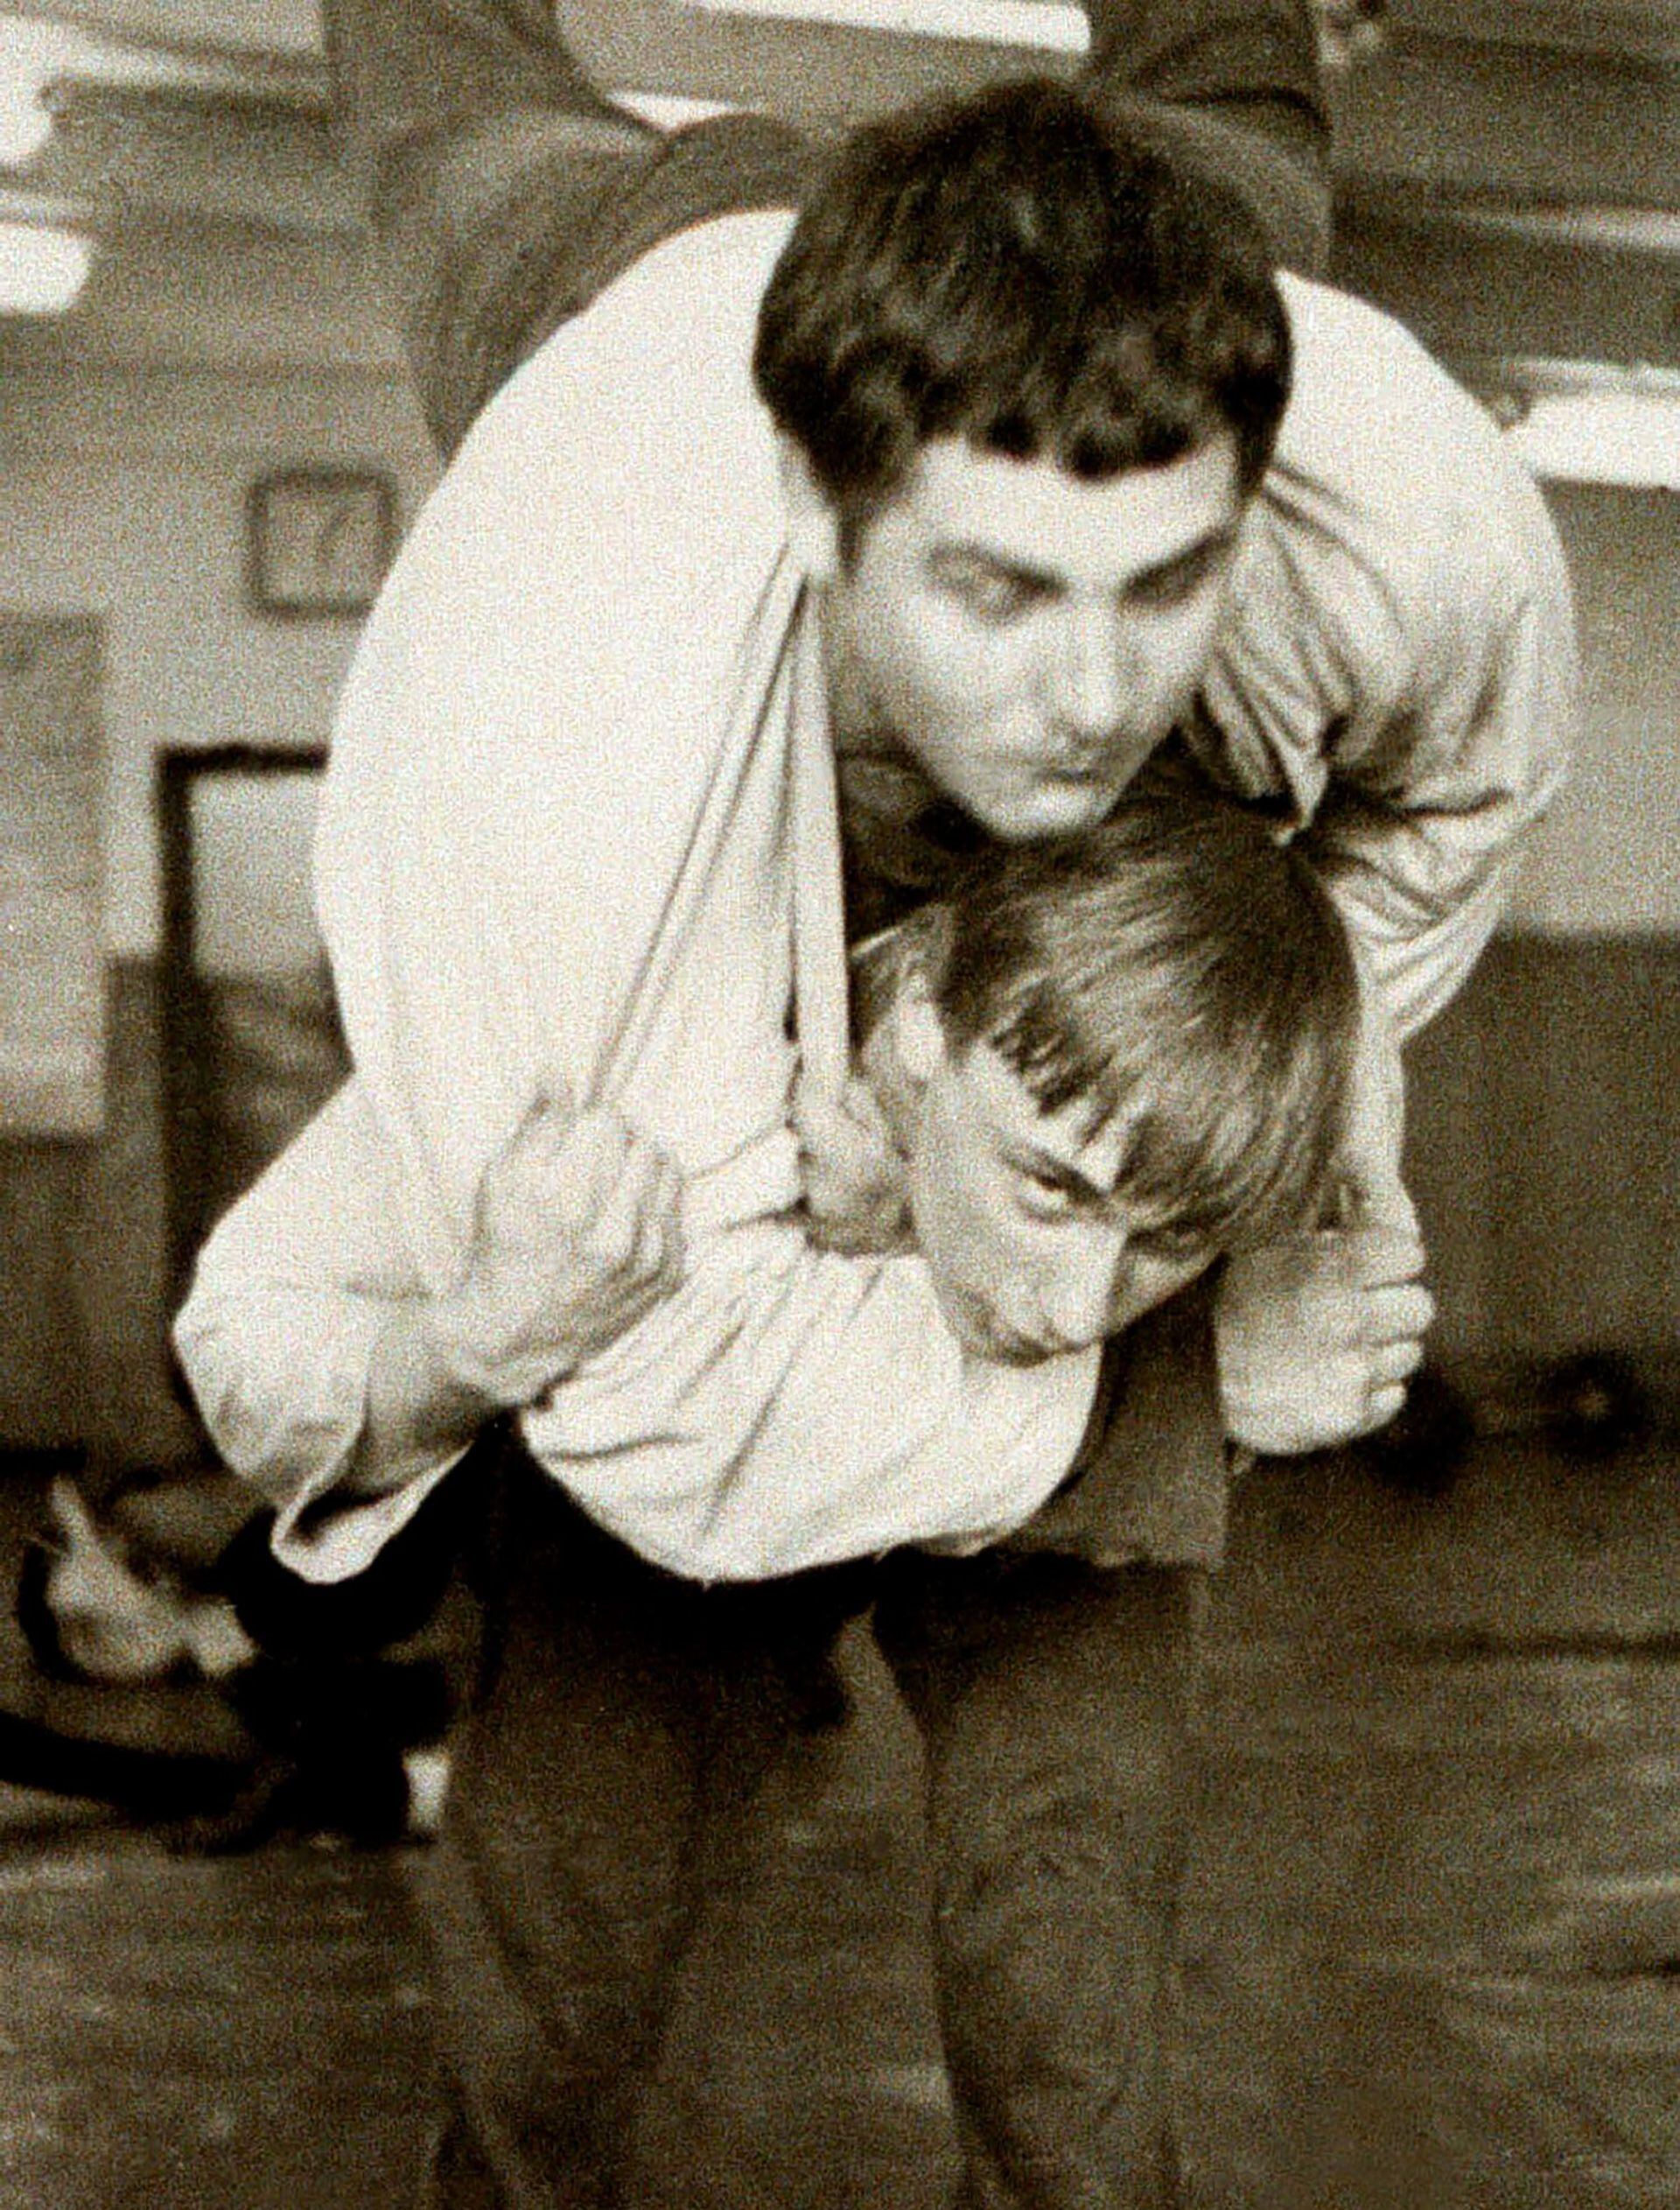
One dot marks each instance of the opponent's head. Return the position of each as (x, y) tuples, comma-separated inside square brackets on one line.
[(1028, 369), (1110, 1061)]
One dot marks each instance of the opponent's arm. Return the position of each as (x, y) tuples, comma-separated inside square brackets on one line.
[(578, 1234), (1420, 841), (1419, 844), (1315, 1336), (1417, 838), (1399, 679), (505, 188)]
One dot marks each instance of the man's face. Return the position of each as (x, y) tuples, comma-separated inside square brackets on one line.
[(1031, 1250), (1027, 638)]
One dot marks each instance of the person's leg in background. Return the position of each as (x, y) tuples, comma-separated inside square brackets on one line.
[(505, 188), (1054, 1700), (601, 1791), (1244, 79)]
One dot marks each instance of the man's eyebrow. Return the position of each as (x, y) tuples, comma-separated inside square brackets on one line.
[(1051, 1168), (962, 552), (1212, 546)]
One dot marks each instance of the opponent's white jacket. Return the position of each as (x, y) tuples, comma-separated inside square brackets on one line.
[(560, 782)]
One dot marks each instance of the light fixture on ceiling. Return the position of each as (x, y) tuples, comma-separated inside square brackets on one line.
[(1047, 24), (672, 111), (43, 267), (1349, 30), (31, 56)]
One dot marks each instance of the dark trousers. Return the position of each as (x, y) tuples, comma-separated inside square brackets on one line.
[(601, 1787)]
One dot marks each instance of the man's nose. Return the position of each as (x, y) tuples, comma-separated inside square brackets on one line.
[(1087, 678)]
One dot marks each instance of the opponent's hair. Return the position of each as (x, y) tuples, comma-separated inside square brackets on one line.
[(1178, 966), (1018, 270)]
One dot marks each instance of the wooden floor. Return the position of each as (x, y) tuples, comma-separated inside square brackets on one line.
[(1432, 1941)]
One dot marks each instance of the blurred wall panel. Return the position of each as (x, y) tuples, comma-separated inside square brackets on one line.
[(51, 996)]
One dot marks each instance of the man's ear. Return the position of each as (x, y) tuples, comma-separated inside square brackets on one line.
[(813, 523)]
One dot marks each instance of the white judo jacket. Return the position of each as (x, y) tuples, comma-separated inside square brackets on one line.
[(616, 824)]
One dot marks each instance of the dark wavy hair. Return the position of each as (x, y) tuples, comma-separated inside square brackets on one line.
[(1177, 965), (1016, 270)]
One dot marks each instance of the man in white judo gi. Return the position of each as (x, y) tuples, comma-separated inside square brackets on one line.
[(976, 480)]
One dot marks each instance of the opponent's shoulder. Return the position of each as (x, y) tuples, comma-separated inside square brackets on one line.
[(608, 524), (1380, 444), (633, 439), (677, 326)]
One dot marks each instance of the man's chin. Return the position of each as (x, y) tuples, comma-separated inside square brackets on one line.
[(1057, 809)]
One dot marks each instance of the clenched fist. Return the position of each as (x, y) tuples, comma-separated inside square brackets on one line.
[(1316, 1337), (853, 1177), (578, 1234)]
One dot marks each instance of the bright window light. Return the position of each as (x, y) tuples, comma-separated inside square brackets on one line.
[(32, 54), (1349, 30), (42, 268), (1044, 23)]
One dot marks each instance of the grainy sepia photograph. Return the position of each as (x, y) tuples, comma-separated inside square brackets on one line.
[(839, 1076)]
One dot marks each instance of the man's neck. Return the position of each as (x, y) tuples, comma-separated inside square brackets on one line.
[(901, 835)]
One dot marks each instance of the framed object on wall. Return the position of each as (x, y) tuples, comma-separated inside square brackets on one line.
[(320, 540), (251, 1036)]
